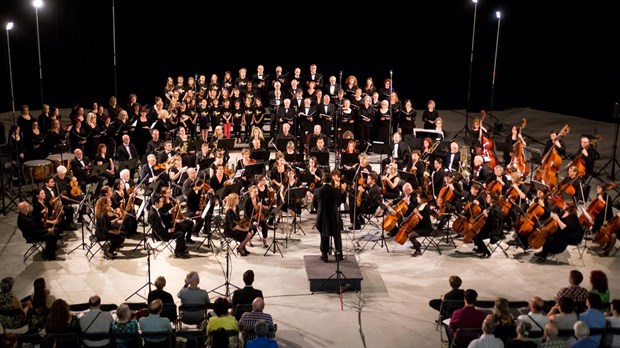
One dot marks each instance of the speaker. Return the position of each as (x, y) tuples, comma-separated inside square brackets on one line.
[(616, 115)]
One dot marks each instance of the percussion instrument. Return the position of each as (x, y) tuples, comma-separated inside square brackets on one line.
[(58, 160), (38, 170)]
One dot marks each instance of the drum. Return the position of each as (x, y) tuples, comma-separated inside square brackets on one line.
[(38, 170), (58, 159)]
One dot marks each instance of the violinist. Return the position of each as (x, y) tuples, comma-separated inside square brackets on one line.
[(173, 217), (277, 175), (159, 220), (340, 184), (256, 212), (220, 179), (193, 205), (218, 161), (233, 228), (589, 155), (63, 183), (512, 139), (150, 172), (399, 154), (391, 181), (188, 184), (177, 174), (128, 214), (424, 227), (109, 226), (42, 211), (35, 230), (555, 141), (569, 232), (244, 161), (371, 200), (291, 181), (416, 168), (493, 226), (317, 173)]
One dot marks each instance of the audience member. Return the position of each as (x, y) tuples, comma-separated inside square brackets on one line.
[(535, 317), (550, 337), (192, 295), (9, 340), (96, 321), (60, 319), (456, 293), (593, 317), (488, 339), (598, 281), (159, 292), (249, 319), (563, 314), (614, 321), (8, 301), (523, 330), (219, 338), (504, 321), (468, 316), (48, 341), (247, 294), (582, 335), (154, 322), (223, 319), (41, 302), (261, 340), (574, 290), (124, 325)]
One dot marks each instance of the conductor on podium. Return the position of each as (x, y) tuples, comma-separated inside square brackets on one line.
[(326, 201)]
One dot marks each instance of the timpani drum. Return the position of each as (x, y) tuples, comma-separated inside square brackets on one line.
[(58, 159), (38, 170)]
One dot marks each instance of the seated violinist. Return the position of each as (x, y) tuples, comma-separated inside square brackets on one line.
[(424, 226), (109, 226), (370, 201), (391, 182), (244, 161), (234, 226), (493, 226), (122, 202), (317, 173), (256, 212), (150, 171), (196, 201), (568, 231), (158, 221), (416, 167)]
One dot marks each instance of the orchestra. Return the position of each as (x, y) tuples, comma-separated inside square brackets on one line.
[(420, 185)]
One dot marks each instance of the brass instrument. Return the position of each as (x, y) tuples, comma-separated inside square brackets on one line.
[(431, 150)]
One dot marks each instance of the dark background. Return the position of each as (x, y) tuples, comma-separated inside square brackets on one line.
[(555, 57)]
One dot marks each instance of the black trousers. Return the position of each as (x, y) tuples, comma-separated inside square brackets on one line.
[(325, 243)]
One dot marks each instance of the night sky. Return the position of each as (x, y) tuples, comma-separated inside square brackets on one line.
[(558, 59)]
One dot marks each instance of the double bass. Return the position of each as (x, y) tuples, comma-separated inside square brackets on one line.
[(579, 161), (551, 162), (518, 162), (486, 151)]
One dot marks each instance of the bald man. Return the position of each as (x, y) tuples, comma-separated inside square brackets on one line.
[(248, 319), (35, 231)]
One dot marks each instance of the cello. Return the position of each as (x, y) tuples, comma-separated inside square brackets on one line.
[(393, 216), (406, 228), (487, 146), (518, 162), (609, 227), (595, 207), (526, 222), (463, 222), (446, 194), (475, 227), (551, 162), (579, 161), (557, 199), (537, 238)]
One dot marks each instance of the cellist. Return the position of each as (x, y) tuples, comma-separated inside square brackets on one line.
[(569, 231), (498, 181), (453, 204), (606, 214), (424, 226), (409, 196), (417, 169), (493, 226), (571, 184), (555, 141), (513, 138)]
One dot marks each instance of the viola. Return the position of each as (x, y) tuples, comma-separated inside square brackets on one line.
[(610, 227), (539, 236), (406, 228), (595, 207), (75, 188), (550, 163), (392, 218)]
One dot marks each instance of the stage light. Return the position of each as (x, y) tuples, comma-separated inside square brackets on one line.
[(9, 26), (498, 14), (37, 5)]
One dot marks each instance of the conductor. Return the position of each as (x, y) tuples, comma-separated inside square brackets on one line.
[(326, 201)]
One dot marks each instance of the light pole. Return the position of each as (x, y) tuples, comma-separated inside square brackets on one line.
[(38, 4), (471, 63), (498, 14), (9, 26), (114, 48)]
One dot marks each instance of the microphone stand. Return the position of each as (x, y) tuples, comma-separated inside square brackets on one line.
[(390, 101), (148, 272)]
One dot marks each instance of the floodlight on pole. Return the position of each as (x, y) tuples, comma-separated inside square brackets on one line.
[(37, 5), (498, 14), (8, 27)]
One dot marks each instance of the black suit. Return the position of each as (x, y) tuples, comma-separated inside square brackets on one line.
[(81, 170), (163, 158), (371, 199), (326, 201), (245, 296), (437, 181), (453, 161), (123, 155), (404, 156), (156, 221), (35, 232)]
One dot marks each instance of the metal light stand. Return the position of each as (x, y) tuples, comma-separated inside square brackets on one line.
[(614, 156), (499, 22), (148, 268)]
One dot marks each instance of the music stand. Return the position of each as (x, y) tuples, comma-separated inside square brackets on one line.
[(533, 156), (408, 177), (471, 142), (292, 194), (322, 158), (61, 149), (427, 133), (203, 215), (225, 144), (205, 163), (281, 143), (130, 164), (254, 169), (349, 159), (274, 246), (91, 191), (228, 189), (260, 156)]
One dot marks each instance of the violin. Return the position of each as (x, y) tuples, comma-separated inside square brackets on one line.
[(75, 188), (550, 163), (539, 236), (609, 227), (595, 207), (361, 182), (392, 218)]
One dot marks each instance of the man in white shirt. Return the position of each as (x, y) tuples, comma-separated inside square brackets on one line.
[(536, 317), (488, 339)]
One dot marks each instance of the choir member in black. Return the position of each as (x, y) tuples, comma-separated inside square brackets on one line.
[(416, 167), (248, 117), (122, 195), (81, 167), (215, 113), (155, 144), (101, 158), (436, 177), (325, 111), (126, 150), (512, 139), (107, 133), (142, 132), (588, 153), (238, 116), (45, 120), (569, 232), (555, 141), (196, 198), (452, 206), (315, 135), (297, 101), (36, 150), (256, 212), (16, 145), (172, 206), (395, 107), (54, 137), (453, 163), (399, 153), (371, 200), (234, 227), (109, 226), (113, 108), (185, 147), (306, 115), (406, 118), (367, 118), (159, 220), (430, 115), (204, 120), (123, 127), (284, 137), (326, 203), (493, 226), (94, 135), (383, 122), (77, 136), (424, 227), (275, 102), (34, 230), (24, 121), (62, 180), (391, 182), (347, 117)]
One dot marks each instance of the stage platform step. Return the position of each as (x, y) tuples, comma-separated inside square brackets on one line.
[(319, 274)]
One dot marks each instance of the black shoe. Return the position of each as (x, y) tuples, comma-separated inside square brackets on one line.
[(485, 255), (477, 251), (538, 254), (541, 259), (417, 252), (512, 242), (341, 257), (323, 258), (181, 255), (190, 241), (109, 255), (242, 252)]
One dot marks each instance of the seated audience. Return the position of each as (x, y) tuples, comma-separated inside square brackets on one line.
[(582, 337), (468, 316), (154, 322), (574, 290), (192, 295), (249, 319), (96, 321), (159, 292), (60, 319), (246, 295), (614, 321), (550, 337), (456, 293), (563, 314), (261, 341), (535, 317), (223, 319), (593, 317), (8, 301), (124, 324), (521, 341)]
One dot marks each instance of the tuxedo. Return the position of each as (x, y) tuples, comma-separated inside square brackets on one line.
[(481, 174), (156, 221), (286, 115), (81, 169), (165, 156), (453, 162), (317, 77), (403, 153), (306, 118), (331, 90), (124, 153)]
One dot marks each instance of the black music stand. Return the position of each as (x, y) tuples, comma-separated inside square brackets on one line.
[(260, 156), (274, 246), (130, 164), (226, 190), (87, 195), (280, 144), (382, 149), (408, 177), (294, 158), (349, 159), (292, 194), (148, 272), (206, 163), (503, 147), (252, 170), (99, 170), (322, 158)]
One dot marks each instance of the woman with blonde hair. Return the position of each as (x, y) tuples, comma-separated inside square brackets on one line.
[(234, 226)]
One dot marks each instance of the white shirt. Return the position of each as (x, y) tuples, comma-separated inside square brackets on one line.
[(128, 151), (395, 152), (486, 341)]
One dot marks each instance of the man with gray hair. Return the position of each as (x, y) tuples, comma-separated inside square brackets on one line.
[(488, 339), (63, 182), (262, 341), (582, 334), (192, 295), (148, 172), (188, 184), (551, 339), (248, 320), (35, 231)]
